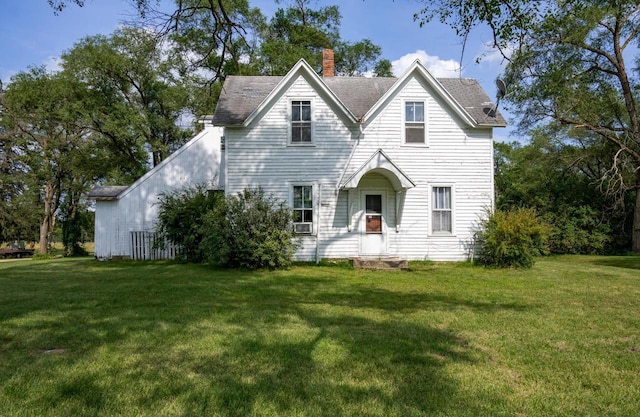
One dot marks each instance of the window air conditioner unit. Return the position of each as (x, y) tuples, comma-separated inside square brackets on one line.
[(302, 227)]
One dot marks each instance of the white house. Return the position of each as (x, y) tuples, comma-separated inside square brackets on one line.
[(382, 167)]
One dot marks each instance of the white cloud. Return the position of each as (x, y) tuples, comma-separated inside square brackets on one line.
[(52, 64), (438, 67)]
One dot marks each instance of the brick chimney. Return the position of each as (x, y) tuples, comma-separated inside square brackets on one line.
[(327, 63)]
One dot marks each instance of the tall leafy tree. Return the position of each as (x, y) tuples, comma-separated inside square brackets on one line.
[(43, 110), (135, 95), (572, 69), (215, 38), (561, 182), (299, 31), (17, 216)]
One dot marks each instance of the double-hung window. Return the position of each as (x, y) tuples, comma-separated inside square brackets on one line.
[(414, 122), (441, 211), (301, 122), (303, 208)]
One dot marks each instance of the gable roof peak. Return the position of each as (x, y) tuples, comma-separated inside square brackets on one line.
[(301, 66)]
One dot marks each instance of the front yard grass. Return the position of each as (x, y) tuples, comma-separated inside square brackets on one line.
[(85, 338)]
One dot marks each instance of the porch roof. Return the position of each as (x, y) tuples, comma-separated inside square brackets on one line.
[(379, 162)]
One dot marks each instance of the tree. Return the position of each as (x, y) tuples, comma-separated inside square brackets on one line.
[(570, 71), (383, 68), (17, 214), (560, 181), (42, 110), (299, 31), (135, 94), (356, 59), (59, 5), (214, 36)]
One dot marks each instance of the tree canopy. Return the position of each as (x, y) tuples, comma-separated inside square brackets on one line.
[(571, 69)]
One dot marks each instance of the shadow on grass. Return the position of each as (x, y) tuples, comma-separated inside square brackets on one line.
[(629, 262), (200, 342)]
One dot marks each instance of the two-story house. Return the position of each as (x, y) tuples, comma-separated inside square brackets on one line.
[(377, 167)]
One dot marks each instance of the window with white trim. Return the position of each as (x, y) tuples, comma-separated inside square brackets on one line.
[(441, 211), (300, 122), (303, 208), (414, 122)]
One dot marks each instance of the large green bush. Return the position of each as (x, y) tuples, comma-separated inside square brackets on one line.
[(577, 230), (181, 216), (511, 238), (249, 230)]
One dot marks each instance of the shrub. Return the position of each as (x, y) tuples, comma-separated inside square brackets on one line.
[(250, 230), (181, 216), (511, 238), (577, 230)]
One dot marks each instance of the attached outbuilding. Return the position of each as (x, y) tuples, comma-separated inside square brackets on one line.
[(126, 215)]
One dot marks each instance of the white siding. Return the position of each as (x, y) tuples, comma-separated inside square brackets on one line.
[(197, 162), (456, 156)]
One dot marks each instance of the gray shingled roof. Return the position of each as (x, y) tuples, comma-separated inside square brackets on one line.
[(106, 192), (472, 97), (241, 95)]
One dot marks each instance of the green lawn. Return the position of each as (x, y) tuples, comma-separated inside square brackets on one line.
[(85, 338)]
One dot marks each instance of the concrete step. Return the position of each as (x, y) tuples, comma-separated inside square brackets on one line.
[(380, 263)]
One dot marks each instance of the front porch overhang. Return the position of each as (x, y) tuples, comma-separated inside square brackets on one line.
[(380, 163)]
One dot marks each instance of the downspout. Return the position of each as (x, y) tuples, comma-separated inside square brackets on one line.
[(319, 223)]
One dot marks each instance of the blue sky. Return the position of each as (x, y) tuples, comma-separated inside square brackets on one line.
[(30, 34)]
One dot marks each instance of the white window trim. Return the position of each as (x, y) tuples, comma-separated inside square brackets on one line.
[(313, 119), (316, 202), (453, 210), (404, 123)]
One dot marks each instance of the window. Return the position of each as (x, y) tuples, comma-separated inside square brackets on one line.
[(441, 210), (414, 122), (303, 208), (300, 122), (373, 211)]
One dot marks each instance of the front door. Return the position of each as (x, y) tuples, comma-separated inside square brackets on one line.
[(373, 231)]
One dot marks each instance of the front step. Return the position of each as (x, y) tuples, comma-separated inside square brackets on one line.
[(380, 263)]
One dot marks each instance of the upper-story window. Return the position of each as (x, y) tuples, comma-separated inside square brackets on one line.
[(300, 122), (414, 122)]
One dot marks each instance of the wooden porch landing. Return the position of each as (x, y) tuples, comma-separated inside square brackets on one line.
[(379, 263)]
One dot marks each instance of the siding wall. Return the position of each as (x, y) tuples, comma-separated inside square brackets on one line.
[(456, 156), (197, 162)]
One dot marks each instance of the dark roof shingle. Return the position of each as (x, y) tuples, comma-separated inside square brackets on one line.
[(241, 95)]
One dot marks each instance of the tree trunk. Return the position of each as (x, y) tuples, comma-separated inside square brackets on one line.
[(46, 225), (44, 233), (635, 233)]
